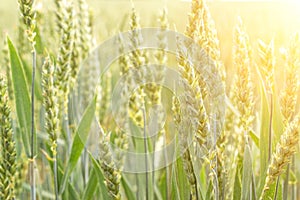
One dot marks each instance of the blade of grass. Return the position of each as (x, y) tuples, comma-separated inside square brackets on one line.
[(103, 188), (264, 134), (79, 141), (22, 99), (126, 186), (247, 173), (91, 187), (237, 188)]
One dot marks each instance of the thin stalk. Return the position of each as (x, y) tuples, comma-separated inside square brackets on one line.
[(270, 127), (153, 160), (167, 168), (55, 177), (286, 182), (69, 138), (216, 161), (31, 163), (294, 189), (276, 190), (146, 155), (85, 167), (253, 187)]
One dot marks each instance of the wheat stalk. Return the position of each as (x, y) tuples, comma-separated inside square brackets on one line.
[(8, 163), (29, 18), (285, 149)]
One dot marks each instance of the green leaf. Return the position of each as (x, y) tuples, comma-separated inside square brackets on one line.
[(270, 194), (209, 192), (264, 133), (73, 194), (237, 188), (277, 120), (91, 187), (28, 76), (128, 190), (181, 182), (39, 42), (22, 97), (247, 173), (254, 138), (79, 141)]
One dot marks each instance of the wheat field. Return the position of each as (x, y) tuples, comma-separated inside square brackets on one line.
[(149, 100)]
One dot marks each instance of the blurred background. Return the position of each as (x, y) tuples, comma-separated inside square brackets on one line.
[(266, 20)]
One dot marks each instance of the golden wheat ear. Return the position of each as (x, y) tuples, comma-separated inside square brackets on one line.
[(285, 149), (288, 97)]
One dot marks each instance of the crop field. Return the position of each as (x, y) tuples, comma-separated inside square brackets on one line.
[(146, 100)]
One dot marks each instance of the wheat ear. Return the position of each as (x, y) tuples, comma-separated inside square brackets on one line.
[(243, 85), (289, 95), (266, 53), (50, 101), (193, 99), (62, 72), (28, 16), (6, 64), (111, 174), (208, 38), (184, 148), (137, 59), (285, 149), (8, 163), (153, 89)]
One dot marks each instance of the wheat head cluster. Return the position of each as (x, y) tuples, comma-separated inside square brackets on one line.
[(47, 152)]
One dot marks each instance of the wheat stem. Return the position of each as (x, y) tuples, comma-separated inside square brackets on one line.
[(283, 154), (29, 19)]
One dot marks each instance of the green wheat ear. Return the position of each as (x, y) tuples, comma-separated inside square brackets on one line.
[(28, 16), (50, 103), (8, 163), (63, 69), (112, 175)]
